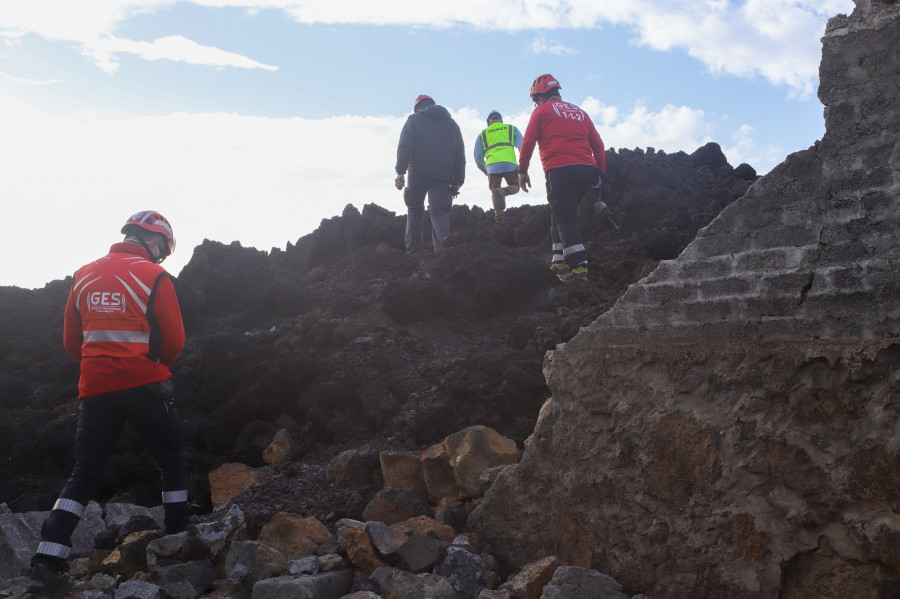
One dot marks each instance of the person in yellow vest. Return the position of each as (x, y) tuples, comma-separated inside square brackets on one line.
[(495, 156)]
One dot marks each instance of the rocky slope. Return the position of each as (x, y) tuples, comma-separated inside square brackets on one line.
[(722, 427), (344, 341), (729, 427)]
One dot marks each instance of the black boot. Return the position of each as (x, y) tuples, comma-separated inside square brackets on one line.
[(176, 518), (47, 582)]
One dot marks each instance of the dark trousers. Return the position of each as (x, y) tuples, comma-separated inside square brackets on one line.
[(101, 420), (439, 202), (566, 185)]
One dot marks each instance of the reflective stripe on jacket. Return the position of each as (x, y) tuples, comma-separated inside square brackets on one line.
[(122, 322), (499, 143)]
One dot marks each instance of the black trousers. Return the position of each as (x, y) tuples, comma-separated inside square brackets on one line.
[(101, 420), (566, 185)]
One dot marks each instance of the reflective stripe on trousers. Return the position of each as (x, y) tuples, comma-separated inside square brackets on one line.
[(175, 496), (69, 505), (54, 549)]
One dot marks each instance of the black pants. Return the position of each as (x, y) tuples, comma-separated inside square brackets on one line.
[(566, 185), (101, 420)]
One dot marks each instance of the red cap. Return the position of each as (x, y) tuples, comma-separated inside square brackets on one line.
[(420, 98)]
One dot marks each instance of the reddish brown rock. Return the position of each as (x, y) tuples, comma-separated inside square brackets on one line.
[(293, 536), (229, 480)]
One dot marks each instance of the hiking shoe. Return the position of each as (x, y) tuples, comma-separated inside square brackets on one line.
[(562, 271), (580, 272), (499, 199), (576, 275), (46, 582)]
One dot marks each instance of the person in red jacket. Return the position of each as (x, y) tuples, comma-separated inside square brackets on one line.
[(123, 325), (574, 161)]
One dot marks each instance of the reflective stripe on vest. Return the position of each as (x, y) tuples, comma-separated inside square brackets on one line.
[(499, 143), (114, 297), (116, 337)]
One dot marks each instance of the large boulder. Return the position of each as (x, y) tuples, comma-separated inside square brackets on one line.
[(729, 428)]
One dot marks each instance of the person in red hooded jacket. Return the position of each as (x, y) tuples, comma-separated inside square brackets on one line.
[(123, 324), (574, 161)]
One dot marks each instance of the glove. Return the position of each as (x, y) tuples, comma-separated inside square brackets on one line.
[(601, 183), (454, 191)]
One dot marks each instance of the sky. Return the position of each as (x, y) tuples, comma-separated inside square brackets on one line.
[(254, 120)]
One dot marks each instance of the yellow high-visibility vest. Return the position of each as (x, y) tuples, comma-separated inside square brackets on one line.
[(499, 143)]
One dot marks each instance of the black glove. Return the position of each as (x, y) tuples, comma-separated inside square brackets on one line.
[(454, 191), (601, 183), (598, 179)]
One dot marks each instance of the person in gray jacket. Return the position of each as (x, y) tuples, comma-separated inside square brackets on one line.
[(431, 150)]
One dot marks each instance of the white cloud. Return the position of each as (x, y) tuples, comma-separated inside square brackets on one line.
[(173, 47), (229, 177), (24, 81), (91, 27), (678, 128), (672, 128), (541, 46), (774, 39), (232, 177), (744, 149)]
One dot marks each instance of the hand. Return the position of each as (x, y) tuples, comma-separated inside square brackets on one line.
[(400, 182), (454, 191), (524, 182)]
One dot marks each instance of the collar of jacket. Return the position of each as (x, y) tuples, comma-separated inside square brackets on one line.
[(124, 247)]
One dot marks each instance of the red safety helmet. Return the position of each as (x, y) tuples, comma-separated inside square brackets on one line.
[(152, 221), (543, 84), (420, 98)]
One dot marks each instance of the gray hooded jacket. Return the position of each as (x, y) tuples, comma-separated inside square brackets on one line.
[(431, 145)]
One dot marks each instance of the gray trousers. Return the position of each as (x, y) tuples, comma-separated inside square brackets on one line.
[(439, 203)]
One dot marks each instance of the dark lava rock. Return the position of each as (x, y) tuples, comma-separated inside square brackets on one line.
[(345, 341)]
